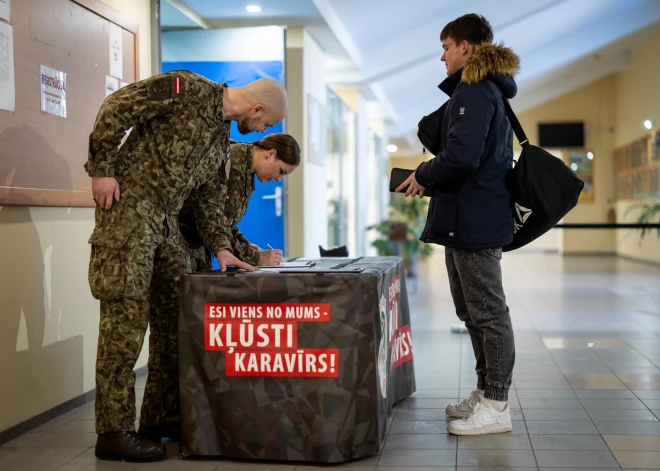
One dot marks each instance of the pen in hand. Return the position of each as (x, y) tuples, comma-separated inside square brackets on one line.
[(271, 248)]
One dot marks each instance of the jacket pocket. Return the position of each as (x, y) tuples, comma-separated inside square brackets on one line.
[(443, 212)]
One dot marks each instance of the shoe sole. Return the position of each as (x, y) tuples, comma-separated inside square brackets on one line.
[(480, 431), (109, 456)]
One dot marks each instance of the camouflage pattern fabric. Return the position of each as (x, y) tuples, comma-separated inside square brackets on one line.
[(176, 150), (125, 274), (315, 419), (178, 143), (240, 185), (199, 258)]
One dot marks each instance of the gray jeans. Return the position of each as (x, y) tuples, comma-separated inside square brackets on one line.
[(475, 281)]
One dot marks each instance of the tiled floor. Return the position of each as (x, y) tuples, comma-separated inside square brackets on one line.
[(586, 389)]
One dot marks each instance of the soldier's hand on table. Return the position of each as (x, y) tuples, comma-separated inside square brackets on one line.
[(226, 258), (105, 191), (414, 188), (270, 257)]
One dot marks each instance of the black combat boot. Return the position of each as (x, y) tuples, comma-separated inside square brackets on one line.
[(156, 433), (128, 446)]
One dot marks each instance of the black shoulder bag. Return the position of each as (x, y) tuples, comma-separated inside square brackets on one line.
[(543, 189)]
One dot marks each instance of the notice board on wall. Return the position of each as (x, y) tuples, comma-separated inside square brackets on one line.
[(65, 53)]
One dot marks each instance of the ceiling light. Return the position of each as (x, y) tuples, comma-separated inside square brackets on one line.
[(253, 9), (648, 124), (574, 167), (392, 148), (590, 155)]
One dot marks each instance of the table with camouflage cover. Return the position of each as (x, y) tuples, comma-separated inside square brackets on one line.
[(303, 364)]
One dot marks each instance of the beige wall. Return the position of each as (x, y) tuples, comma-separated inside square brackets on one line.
[(638, 91), (595, 105), (613, 110), (48, 318), (638, 99)]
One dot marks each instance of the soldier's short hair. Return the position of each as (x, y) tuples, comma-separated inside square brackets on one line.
[(288, 150), (473, 28)]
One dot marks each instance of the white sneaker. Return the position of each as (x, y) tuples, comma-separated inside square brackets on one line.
[(481, 421), (463, 408)]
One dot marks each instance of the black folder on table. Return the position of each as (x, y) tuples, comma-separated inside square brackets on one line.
[(398, 176)]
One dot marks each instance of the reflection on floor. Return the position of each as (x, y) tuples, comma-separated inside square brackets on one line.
[(586, 389)]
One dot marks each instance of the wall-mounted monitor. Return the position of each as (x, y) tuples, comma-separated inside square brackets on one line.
[(561, 135)]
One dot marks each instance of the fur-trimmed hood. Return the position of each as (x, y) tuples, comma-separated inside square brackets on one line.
[(490, 59)]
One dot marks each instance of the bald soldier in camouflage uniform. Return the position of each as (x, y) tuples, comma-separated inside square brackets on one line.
[(175, 151)]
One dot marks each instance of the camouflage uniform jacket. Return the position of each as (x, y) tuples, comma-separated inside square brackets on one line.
[(240, 185), (177, 146)]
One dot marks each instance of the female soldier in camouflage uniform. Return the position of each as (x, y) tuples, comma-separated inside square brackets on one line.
[(269, 159)]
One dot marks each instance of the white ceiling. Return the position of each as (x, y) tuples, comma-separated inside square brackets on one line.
[(391, 48)]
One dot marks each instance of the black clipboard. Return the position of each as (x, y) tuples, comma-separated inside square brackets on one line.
[(398, 176)]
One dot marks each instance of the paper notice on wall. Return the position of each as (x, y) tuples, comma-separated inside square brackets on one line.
[(111, 85), (7, 86), (4, 10), (116, 50), (123, 84), (53, 91)]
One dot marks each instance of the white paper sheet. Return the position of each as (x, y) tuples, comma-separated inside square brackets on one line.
[(284, 265), (116, 51), (4, 10), (7, 85), (111, 85), (122, 84), (53, 91)]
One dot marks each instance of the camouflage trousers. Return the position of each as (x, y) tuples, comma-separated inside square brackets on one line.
[(134, 271), (200, 258)]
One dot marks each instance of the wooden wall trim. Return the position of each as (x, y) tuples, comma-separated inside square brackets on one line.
[(34, 197), (104, 11)]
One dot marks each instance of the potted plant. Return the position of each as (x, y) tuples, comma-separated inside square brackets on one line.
[(399, 234), (650, 214)]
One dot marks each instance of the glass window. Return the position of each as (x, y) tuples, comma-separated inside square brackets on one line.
[(341, 171), (334, 172)]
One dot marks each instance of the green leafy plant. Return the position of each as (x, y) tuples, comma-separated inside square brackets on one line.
[(404, 226), (650, 214)]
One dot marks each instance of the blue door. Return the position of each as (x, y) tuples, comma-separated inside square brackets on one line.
[(263, 222)]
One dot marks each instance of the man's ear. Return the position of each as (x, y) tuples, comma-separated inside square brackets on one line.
[(257, 108)]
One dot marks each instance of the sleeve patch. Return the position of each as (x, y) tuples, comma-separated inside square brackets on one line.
[(166, 87)]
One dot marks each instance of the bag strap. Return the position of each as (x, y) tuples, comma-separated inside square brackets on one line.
[(515, 124)]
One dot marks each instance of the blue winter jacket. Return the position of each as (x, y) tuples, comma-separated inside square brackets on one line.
[(471, 207)]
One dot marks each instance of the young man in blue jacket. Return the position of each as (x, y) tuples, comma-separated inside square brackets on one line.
[(470, 212)]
